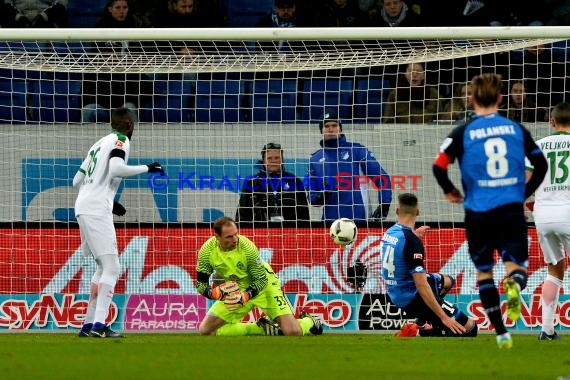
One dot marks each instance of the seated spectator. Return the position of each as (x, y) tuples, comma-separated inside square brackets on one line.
[(183, 14), (517, 13), (346, 13), (520, 106), (283, 15), (465, 68), (180, 14), (34, 14), (558, 12), (458, 108), (396, 13), (145, 10), (412, 101), (457, 13), (274, 194), (117, 15), (102, 92), (370, 8), (309, 13), (544, 73)]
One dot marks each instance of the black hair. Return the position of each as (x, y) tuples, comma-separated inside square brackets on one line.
[(269, 146), (122, 120)]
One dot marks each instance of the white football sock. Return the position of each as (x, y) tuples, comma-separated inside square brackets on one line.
[(550, 291), (90, 314), (103, 302), (109, 276)]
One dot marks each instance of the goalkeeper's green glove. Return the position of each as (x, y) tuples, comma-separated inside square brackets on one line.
[(236, 300), (223, 290)]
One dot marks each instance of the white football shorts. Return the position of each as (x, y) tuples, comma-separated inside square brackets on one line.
[(554, 238), (98, 235)]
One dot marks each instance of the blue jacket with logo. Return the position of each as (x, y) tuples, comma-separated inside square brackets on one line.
[(340, 174)]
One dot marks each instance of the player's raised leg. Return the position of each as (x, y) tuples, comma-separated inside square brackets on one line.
[(514, 283)]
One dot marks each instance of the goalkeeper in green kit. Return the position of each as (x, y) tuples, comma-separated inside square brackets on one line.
[(249, 282)]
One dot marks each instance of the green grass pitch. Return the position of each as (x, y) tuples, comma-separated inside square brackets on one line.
[(330, 356)]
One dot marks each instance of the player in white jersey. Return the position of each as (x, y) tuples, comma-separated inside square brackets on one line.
[(552, 214), (98, 179)]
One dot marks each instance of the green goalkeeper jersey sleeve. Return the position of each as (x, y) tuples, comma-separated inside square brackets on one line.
[(242, 264)]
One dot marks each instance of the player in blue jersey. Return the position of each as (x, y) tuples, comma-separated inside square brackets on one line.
[(337, 174), (410, 287), (491, 152)]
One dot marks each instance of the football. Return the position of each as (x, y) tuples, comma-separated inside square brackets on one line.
[(343, 231)]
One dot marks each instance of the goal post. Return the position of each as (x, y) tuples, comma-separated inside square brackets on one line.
[(206, 116), (344, 47)]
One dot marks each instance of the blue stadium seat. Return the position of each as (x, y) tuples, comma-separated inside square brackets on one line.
[(561, 50), (12, 99), (246, 13), (84, 13), (370, 95), (99, 4), (274, 100), (172, 101), (70, 47), (55, 98), (22, 46), (219, 101), (330, 93), (83, 18)]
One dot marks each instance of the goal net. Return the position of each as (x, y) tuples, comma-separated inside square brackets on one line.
[(207, 115)]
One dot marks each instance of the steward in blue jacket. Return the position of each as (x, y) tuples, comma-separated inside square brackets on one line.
[(340, 174)]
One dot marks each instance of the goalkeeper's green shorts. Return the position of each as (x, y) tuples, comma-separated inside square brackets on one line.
[(271, 300)]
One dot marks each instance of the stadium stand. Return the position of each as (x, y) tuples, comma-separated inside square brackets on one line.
[(245, 13), (13, 102), (84, 13), (370, 95), (55, 97), (274, 100), (319, 94)]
